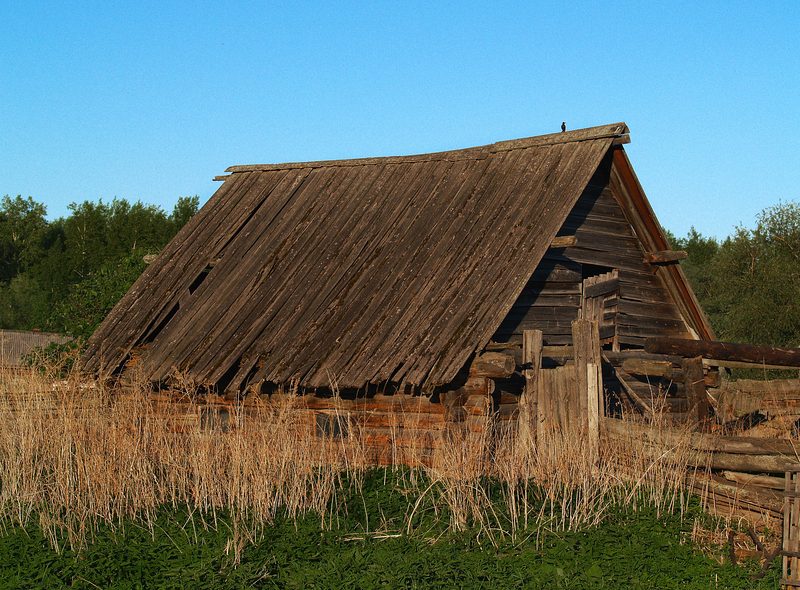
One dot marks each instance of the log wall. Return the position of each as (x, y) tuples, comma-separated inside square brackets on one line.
[(605, 240), (389, 429)]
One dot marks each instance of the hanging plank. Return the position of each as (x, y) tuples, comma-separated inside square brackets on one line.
[(563, 241)]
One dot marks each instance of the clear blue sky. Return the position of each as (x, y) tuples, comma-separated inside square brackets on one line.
[(150, 100)]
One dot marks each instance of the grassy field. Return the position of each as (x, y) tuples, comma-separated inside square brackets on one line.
[(628, 550), (99, 492)]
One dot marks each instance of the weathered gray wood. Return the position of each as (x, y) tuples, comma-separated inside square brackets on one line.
[(787, 449), (653, 368), (644, 307), (617, 132), (563, 241), (588, 378), (532, 363), (751, 479), (725, 351), (603, 287), (665, 256), (696, 389), (492, 364), (716, 363)]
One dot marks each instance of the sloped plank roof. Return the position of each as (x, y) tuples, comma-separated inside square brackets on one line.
[(355, 271)]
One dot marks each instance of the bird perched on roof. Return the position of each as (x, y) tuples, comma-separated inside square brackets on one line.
[(563, 126)]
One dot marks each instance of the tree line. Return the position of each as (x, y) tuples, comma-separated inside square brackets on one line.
[(749, 282), (65, 275)]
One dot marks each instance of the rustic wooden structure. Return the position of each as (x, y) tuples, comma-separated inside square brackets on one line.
[(15, 345), (419, 276), (791, 530), (768, 356)]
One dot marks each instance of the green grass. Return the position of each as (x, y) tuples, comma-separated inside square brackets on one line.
[(630, 550)]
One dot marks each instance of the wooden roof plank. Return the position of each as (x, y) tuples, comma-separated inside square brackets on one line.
[(363, 284), (344, 272), (360, 271), (610, 132), (392, 292), (171, 347), (116, 335), (430, 274), (312, 276)]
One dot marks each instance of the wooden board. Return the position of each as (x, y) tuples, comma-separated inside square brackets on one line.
[(345, 275)]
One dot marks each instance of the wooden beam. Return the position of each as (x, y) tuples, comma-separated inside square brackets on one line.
[(495, 365), (565, 351), (601, 288), (725, 351), (589, 380), (636, 366), (733, 453), (564, 242), (532, 361), (750, 479), (696, 389), (741, 365), (665, 256), (621, 140)]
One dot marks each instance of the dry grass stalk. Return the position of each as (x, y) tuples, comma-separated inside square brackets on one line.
[(77, 455)]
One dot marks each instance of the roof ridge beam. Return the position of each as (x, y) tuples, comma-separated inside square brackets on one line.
[(617, 132)]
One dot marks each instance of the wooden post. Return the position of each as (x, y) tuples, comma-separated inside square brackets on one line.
[(588, 376), (791, 530), (532, 361), (696, 389)]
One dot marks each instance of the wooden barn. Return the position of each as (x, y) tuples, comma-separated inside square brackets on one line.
[(408, 284)]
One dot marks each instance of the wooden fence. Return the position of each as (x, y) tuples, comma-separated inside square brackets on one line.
[(791, 530), (567, 397)]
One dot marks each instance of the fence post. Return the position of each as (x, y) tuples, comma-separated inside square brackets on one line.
[(532, 361), (696, 390), (589, 380), (791, 530)]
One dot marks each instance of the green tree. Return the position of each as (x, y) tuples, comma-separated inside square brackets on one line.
[(22, 229), (184, 210), (89, 301), (702, 252), (23, 304), (755, 296), (66, 274)]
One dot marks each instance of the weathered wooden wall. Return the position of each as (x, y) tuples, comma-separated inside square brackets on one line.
[(605, 240), (390, 429)]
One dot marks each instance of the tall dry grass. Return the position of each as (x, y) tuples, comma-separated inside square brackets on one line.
[(78, 455)]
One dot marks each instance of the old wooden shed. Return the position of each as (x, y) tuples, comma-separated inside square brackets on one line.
[(403, 274)]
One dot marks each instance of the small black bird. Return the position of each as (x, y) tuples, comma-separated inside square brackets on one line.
[(563, 126)]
